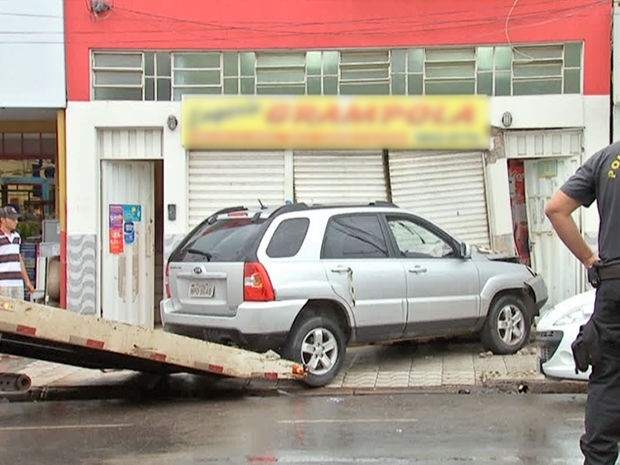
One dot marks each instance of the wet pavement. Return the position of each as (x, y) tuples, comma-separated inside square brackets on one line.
[(440, 366), (419, 428)]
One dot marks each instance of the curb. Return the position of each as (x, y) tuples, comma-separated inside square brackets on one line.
[(154, 389), (538, 386)]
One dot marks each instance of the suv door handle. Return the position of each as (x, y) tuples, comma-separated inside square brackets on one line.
[(341, 269), (417, 270)]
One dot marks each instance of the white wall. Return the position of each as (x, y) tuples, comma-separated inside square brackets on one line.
[(83, 170), (548, 112), (531, 112), (542, 112), (596, 136), (33, 56)]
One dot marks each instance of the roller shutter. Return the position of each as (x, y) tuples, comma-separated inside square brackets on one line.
[(339, 176), (447, 188), (223, 179)]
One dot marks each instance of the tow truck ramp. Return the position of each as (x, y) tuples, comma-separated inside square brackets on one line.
[(37, 331)]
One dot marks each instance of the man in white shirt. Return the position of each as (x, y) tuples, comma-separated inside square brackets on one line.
[(13, 274)]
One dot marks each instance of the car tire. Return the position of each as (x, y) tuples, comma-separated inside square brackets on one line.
[(319, 344), (507, 326)]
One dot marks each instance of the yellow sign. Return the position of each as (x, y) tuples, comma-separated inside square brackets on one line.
[(331, 122)]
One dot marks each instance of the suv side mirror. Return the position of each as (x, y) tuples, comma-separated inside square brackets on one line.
[(465, 250)]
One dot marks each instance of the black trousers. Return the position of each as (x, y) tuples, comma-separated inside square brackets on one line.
[(599, 443)]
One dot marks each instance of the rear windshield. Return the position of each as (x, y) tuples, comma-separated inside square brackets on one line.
[(222, 241)]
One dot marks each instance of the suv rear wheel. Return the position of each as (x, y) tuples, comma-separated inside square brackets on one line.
[(507, 327), (319, 343)]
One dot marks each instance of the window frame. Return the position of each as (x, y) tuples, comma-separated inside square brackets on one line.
[(402, 71), (424, 223)]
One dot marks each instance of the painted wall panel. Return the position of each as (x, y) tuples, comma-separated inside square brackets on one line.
[(134, 143), (81, 273), (83, 119), (33, 54), (536, 144)]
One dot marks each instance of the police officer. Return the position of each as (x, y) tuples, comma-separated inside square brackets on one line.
[(598, 179)]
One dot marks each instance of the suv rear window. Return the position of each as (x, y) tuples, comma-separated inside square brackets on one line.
[(224, 240)]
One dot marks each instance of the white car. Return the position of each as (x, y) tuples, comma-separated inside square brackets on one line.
[(557, 329)]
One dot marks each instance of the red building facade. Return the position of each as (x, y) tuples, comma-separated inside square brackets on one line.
[(544, 64)]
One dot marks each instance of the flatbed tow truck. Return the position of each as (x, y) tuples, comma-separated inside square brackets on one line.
[(42, 332)]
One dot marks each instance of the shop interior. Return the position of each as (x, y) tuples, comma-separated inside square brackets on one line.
[(28, 158)]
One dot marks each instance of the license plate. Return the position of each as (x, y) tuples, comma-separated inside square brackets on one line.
[(201, 290)]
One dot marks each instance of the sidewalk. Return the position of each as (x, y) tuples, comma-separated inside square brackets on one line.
[(427, 367)]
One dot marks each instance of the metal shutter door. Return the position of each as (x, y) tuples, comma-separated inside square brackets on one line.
[(339, 176), (446, 188), (223, 179)]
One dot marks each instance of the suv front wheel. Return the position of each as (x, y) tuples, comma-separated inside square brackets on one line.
[(319, 344), (507, 327)]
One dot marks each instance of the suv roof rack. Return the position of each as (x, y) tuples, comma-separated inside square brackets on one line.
[(289, 207), (376, 203), (214, 216), (382, 203)]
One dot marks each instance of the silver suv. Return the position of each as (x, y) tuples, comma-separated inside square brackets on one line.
[(308, 281)]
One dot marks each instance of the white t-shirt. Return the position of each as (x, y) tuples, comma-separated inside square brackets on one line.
[(10, 266)]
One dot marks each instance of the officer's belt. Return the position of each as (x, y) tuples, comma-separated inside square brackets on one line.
[(609, 272)]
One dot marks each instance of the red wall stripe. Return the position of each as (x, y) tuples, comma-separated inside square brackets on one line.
[(308, 24)]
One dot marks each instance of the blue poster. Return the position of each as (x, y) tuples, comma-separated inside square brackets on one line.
[(132, 213), (129, 233)]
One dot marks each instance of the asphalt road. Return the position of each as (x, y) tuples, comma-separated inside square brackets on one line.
[(477, 428)]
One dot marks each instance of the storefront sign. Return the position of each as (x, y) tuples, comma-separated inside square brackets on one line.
[(330, 122)]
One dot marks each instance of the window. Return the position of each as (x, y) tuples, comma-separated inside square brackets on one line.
[(537, 70), (365, 72), (572, 68), (416, 241), (322, 72), (288, 238), (196, 73), (219, 241), (28, 145), (498, 70), (117, 76), (354, 236), (415, 71), (281, 73), (157, 82), (450, 70), (239, 73)]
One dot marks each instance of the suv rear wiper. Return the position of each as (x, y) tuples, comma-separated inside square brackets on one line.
[(207, 255)]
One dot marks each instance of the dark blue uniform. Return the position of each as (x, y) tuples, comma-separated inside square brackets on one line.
[(599, 179)]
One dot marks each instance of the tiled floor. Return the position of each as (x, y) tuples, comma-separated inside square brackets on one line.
[(431, 365)]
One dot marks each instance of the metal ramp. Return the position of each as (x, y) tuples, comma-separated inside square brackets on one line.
[(37, 331)]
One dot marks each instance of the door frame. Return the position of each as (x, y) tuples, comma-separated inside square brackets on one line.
[(145, 255)]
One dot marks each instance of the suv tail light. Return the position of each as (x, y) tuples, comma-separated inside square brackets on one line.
[(167, 280), (256, 282)]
